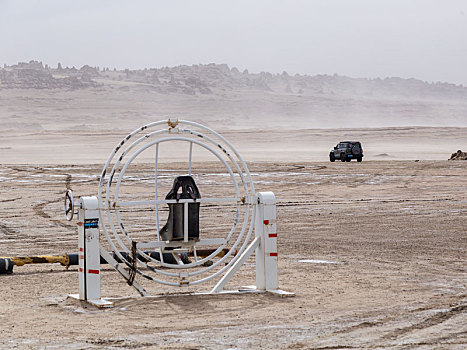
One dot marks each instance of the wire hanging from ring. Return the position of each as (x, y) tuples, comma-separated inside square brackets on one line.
[(132, 272)]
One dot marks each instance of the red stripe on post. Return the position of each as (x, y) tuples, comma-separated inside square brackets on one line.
[(81, 257), (81, 249), (80, 269), (272, 235), (266, 222), (79, 223), (273, 254), (96, 272)]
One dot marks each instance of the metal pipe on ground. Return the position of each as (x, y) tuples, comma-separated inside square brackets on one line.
[(7, 263), (6, 266)]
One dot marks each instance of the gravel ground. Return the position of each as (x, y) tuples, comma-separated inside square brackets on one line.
[(374, 251)]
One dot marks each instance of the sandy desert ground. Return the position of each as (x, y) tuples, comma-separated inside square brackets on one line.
[(385, 243)]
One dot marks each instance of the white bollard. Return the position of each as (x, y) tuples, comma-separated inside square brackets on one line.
[(266, 252), (89, 255)]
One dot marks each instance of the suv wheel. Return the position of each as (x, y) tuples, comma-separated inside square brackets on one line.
[(332, 157), (342, 157)]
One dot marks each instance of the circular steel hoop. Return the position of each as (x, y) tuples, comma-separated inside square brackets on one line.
[(217, 145)]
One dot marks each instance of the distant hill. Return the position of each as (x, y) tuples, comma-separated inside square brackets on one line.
[(217, 78), (243, 99)]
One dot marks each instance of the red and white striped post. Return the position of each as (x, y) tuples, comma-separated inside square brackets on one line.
[(89, 255), (266, 252)]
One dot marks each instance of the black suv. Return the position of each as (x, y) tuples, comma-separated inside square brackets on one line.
[(347, 150)]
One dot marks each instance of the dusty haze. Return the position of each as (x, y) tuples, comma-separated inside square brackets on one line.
[(68, 115)]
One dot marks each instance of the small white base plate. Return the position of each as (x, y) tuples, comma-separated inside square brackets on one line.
[(96, 302), (279, 292)]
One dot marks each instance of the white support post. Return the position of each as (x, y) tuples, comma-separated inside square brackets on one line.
[(266, 252), (89, 254), (235, 267)]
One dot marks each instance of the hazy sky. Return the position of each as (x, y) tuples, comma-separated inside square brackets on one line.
[(424, 39)]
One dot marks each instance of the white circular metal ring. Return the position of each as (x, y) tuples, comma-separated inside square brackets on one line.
[(118, 236)]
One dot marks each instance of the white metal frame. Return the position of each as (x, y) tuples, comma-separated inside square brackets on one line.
[(256, 211)]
